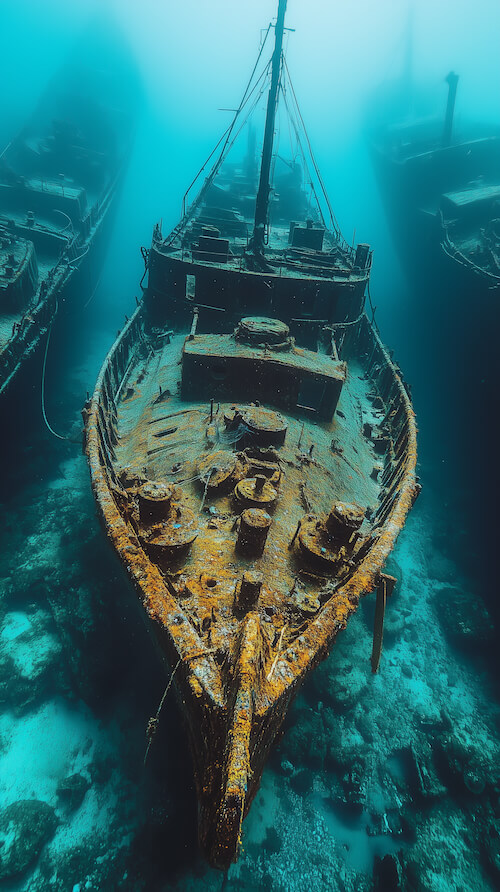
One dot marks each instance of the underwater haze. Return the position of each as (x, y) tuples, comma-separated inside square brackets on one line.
[(380, 782)]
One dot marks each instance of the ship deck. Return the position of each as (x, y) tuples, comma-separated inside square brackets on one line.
[(164, 438)]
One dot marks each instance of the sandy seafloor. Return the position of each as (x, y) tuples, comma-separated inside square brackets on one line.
[(370, 766)]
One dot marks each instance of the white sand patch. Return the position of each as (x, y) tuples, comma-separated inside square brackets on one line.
[(70, 471), (94, 816), (44, 747), (28, 644), (14, 625), (41, 550)]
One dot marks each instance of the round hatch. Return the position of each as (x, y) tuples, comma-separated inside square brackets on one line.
[(265, 421), (174, 536), (154, 501), (344, 520), (219, 470), (264, 427), (255, 492), (317, 546)]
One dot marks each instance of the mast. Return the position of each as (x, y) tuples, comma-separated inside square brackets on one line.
[(251, 159), (452, 81), (407, 75), (261, 204)]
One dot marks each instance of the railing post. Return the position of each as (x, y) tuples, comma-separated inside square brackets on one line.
[(385, 589)]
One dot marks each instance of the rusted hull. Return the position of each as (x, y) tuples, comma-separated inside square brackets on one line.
[(451, 317), (60, 176), (245, 292), (68, 280), (231, 728)]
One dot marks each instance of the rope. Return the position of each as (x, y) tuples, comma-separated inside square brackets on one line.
[(155, 720), (372, 308), (70, 264), (225, 137), (207, 483), (346, 324), (51, 429), (69, 223), (335, 225), (93, 293), (280, 643), (333, 325), (378, 630)]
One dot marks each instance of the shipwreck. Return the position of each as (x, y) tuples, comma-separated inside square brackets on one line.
[(59, 182), (252, 449)]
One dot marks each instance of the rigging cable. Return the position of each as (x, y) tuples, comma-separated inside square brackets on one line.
[(372, 308), (297, 151), (76, 259), (51, 429), (335, 224), (307, 172), (227, 133), (304, 161), (227, 148), (293, 150), (188, 214), (94, 291), (298, 124), (68, 224), (154, 720)]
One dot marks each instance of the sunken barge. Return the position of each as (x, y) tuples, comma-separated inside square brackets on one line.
[(442, 196), (252, 449), (440, 186), (59, 181)]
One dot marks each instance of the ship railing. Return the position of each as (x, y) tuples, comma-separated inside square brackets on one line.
[(94, 213), (188, 254), (317, 269), (109, 384), (284, 268), (345, 246), (235, 260), (203, 220), (451, 250), (400, 458)]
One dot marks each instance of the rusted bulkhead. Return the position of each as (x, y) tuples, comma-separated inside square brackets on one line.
[(250, 293), (224, 367)]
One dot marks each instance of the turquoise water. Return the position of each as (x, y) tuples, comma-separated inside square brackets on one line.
[(370, 766)]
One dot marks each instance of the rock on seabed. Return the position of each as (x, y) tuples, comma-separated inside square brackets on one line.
[(25, 827)]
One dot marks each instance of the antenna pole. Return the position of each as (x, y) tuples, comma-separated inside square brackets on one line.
[(262, 201)]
